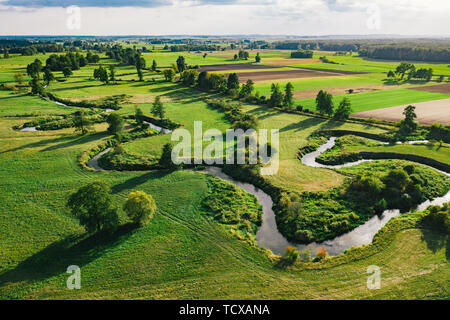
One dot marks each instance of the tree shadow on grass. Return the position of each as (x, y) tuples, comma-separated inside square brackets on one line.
[(136, 181), (436, 240), (302, 125), (73, 250)]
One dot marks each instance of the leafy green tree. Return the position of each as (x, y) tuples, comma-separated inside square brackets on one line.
[(391, 74), (403, 68), (34, 68), (101, 74), (233, 81), (324, 103), (154, 65), (181, 64), (140, 74), (289, 96), (218, 82), (247, 89), (116, 123), (81, 122), (140, 207), (158, 108), (6, 54), (203, 81), (258, 58), (112, 73), (67, 72), (189, 77), (408, 125), (92, 206), (139, 116), (169, 74), (36, 86), (166, 158), (276, 97), (344, 110), (48, 76)]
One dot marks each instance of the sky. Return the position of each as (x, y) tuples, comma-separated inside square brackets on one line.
[(225, 17)]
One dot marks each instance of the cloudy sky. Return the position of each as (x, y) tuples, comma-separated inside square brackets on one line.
[(221, 17)]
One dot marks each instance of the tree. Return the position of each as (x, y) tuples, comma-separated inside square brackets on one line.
[(258, 58), (34, 68), (140, 74), (233, 81), (140, 207), (344, 110), (81, 122), (408, 125), (6, 54), (166, 158), (101, 74), (67, 72), (288, 96), (112, 73), (154, 66), (169, 74), (324, 103), (181, 64), (247, 89), (403, 68), (391, 74), (36, 87), (289, 257), (116, 123), (276, 97), (138, 115), (92, 206), (189, 77), (158, 108), (48, 76)]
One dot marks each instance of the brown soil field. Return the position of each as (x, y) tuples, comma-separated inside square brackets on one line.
[(440, 88), (286, 62), (286, 74), (429, 112), (335, 71), (234, 66)]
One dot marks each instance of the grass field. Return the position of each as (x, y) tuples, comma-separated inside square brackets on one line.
[(183, 253)]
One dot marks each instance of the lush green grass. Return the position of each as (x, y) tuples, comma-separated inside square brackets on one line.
[(183, 253)]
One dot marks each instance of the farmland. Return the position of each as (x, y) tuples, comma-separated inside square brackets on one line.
[(184, 252)]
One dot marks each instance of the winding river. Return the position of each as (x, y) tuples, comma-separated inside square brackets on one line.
[(268, 235)]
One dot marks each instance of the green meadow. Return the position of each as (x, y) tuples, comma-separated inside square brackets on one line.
[(184, 253)]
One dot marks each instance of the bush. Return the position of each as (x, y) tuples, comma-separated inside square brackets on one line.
[(289, 257), (321, 254), (140, 207)]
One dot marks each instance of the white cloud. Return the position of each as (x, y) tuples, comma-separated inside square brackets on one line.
[(294, 17)]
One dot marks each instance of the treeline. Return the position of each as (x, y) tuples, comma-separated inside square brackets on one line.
[(393, 52), (302, 54), (194, 47), (126, 56)]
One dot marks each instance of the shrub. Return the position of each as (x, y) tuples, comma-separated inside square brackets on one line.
[(289, 257), (140, 207), (321, 254)]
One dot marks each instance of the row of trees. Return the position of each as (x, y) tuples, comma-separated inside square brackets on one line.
[(411, 72), (93, 206), (325, 106)]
